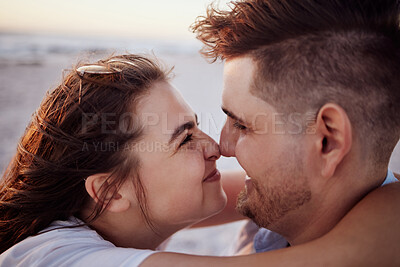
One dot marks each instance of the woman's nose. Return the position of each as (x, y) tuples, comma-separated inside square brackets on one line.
[(211, 149)]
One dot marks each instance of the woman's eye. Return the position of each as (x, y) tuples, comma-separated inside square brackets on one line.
[(186, 140), (239, 126)]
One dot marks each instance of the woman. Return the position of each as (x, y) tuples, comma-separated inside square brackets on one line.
[(111, 165), (93, 152)]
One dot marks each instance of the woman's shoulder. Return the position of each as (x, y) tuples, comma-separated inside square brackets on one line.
[(70, 243), (69, 231)]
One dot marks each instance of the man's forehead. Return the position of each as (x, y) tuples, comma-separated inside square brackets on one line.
[(239, 66), (237, 96), (238, 78)]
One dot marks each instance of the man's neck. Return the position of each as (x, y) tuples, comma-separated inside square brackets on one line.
[(333, 204)]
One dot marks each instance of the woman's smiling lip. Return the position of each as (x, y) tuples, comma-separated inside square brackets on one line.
[(213, 176)]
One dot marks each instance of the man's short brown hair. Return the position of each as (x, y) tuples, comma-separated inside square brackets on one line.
[(309, 53)]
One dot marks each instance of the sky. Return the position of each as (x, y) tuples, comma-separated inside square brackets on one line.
[(157, 19)]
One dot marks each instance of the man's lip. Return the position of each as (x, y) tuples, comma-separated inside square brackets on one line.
[(214, 175)]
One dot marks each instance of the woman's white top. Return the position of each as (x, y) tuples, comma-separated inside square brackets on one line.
[(79, 246)]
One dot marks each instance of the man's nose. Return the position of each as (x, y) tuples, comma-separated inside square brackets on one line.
[(227, 141)]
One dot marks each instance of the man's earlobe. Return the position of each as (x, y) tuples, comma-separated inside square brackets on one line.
[(335, 137), (104, 194)]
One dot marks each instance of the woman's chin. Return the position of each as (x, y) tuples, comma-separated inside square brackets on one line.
[(219, 203)]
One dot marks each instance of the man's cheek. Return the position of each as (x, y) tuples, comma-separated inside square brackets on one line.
[(242, 155), (247, 152)]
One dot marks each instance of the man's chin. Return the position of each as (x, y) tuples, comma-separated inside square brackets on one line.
[(251, 205), (243, 205)]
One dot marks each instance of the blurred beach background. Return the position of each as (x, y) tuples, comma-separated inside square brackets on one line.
[(39, 39)]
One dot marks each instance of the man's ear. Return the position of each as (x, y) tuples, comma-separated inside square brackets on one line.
[(101, 192), (333, 129)]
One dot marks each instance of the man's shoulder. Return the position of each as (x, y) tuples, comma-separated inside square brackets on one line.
[(267, 240), (397, 176)]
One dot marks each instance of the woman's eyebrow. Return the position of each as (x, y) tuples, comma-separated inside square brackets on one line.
[(180, 129)]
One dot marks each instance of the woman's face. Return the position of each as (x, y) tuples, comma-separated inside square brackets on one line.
[(177, 161)]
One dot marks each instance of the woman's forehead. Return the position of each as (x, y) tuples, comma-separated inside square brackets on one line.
[(164, 109)]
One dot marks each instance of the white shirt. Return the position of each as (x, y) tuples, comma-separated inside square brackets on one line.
[(80, 246)]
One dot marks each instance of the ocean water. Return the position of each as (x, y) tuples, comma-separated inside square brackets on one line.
[(35, 46)]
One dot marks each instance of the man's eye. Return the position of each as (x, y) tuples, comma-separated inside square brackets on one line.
[(187, 139), (239, 126)]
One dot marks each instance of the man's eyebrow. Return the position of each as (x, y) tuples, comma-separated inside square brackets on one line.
[(233, 116), (180, 129)]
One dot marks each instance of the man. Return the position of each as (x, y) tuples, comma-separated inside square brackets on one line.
[(311, 91)]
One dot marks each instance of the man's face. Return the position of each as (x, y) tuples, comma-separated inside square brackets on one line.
[(269, 152)]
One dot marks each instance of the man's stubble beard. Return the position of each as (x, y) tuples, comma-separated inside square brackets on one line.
[(270, 200)]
